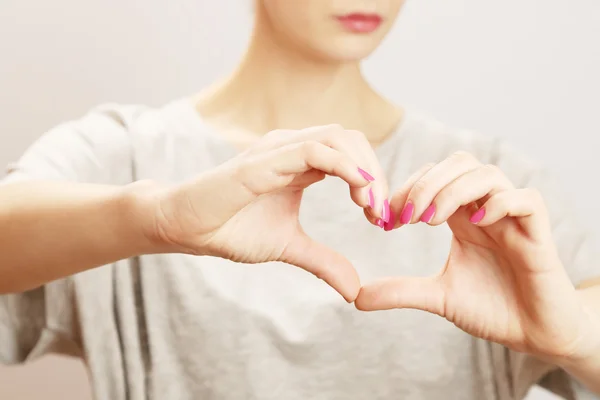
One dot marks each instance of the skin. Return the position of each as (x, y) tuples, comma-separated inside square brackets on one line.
[(503, 280), (52, 230), (301, 58)]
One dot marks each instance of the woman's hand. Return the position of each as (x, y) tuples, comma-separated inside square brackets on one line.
[(503, 280), (247, 209)]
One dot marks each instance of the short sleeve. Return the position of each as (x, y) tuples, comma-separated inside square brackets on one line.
[(97, 148), (577, 249), (38, 322), (93, 149)]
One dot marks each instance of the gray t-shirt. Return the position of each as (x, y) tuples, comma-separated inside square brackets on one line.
[(182, 327)]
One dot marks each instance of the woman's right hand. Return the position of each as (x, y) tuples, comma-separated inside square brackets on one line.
[(246, 210)]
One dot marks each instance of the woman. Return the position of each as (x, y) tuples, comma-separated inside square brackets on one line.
[(172, 203)]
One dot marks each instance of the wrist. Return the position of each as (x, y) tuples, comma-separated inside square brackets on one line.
[(584, 363), (587, 350), (140, 206), (584, 368)]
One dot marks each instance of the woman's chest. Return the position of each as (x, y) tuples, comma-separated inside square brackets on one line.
[(274, 325), (269, 327), (274, 331)]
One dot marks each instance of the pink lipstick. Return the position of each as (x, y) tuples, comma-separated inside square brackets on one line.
[(360, 23)]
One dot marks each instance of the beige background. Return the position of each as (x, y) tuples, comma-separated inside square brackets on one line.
[(525, 70)]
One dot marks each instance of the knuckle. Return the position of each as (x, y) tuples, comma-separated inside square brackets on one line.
[(338, 136), (463, 157), (535, 195), (335, 127), (242, 170), (491, 169), (498, 200), (310, 148), (461, 154), (427, 167), (419, 188), (331, 130), (357, 135), (276, 133), (446, 195), (341, 161), (272, 139), (330, 137)]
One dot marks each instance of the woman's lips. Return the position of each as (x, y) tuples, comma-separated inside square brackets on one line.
[(360, 23)]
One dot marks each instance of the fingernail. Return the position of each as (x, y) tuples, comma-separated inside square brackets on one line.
[(390, 225), (385, 212), (478, 216), (380, 223), (407, 213), (428, 214), (371, 198), (366, 175)]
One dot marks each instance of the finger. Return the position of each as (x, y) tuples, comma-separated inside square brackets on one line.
[(470, 187), (378, 221), (278, 138), (459, 221), (527, 205), (425, 189), (277, 169), (283, 137), (357, 147), (401, 195), (237, 183), (367, 195), (355, 144), (325, 264), (309, 178), (424, 294)]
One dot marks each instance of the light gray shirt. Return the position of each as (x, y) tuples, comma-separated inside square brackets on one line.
[(182, 327)]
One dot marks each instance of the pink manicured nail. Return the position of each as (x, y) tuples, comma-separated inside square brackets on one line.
[(380, 223), (407, 212), (366, 175), (371, 198), (390, 225), (478, 216), (428, 214), (385, 212)]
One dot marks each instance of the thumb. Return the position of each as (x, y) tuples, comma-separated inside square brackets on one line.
[(424, 294), (324, 263)]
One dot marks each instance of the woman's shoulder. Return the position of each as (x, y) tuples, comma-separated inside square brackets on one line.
[(139, 118), (423, 133), (101, 142), (422, 129)]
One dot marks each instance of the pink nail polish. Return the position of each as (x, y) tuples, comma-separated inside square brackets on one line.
[(478, 216), (386, 211), (380, 223), (407, 212), (371, 198), (366, 175), (390, 225), (428, 214)]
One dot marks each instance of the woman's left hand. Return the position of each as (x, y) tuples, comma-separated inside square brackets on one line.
[(503, 280)]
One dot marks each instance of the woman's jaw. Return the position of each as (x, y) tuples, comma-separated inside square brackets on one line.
[(287, 82), (328, 30)]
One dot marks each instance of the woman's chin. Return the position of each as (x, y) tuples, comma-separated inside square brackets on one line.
[(348, 51)]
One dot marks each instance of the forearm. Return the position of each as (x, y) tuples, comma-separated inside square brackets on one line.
[(586, 369), (49, 230)]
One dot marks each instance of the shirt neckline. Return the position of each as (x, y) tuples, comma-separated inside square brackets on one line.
[(195, 120)]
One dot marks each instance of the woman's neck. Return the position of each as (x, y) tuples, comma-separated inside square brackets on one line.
[(278, 87)]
